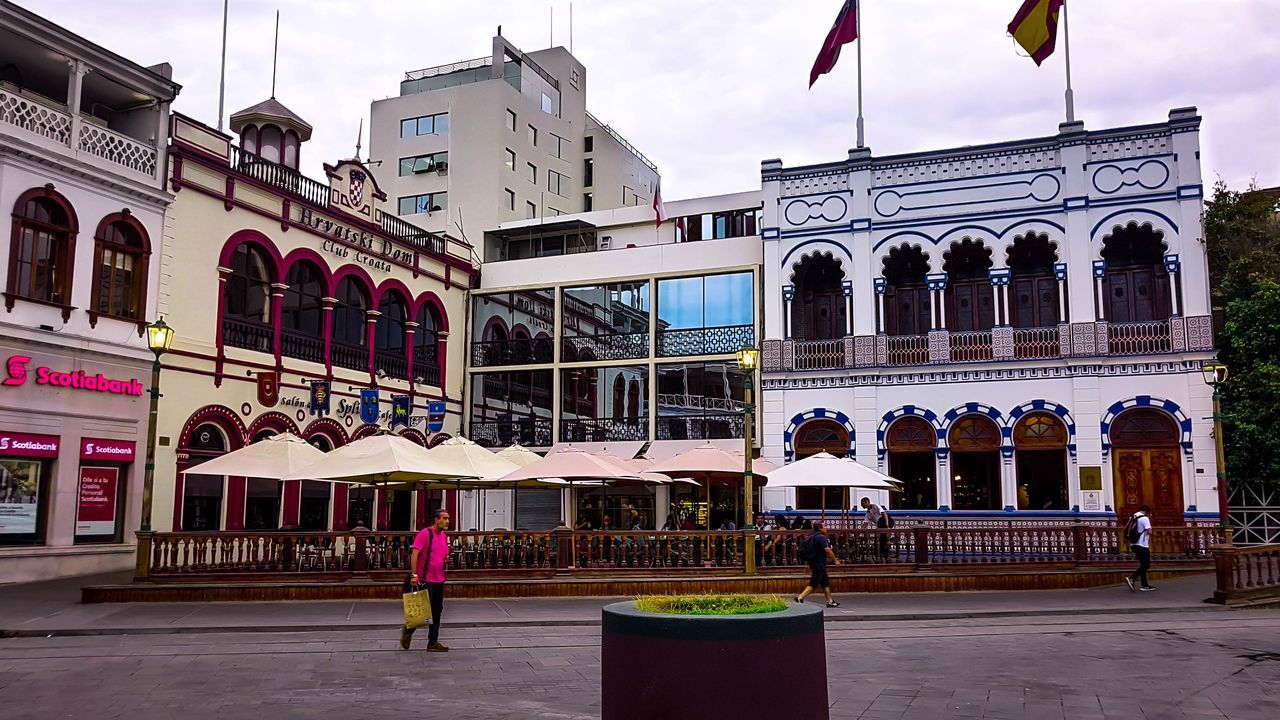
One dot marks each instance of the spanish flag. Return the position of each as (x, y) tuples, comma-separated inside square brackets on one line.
[(1035, 27)]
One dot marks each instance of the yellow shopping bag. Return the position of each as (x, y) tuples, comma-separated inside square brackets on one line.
[(417, 609)]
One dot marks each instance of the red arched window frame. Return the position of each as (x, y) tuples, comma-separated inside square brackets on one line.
[(35, 225), (121, 257)]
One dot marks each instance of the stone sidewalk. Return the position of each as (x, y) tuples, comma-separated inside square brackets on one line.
[(53, 608)]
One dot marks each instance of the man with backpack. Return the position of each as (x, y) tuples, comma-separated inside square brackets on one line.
[(878, 518), (1137, 532), (816, 551)]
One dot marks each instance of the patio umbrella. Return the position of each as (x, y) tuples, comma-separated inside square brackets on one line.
[(711, 464), (381, 459), (825, 470), (273, 458), (519, 454), (470, 460)]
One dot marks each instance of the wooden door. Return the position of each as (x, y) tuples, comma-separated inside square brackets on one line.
[(823, 310), (971, 306), (1151, 477), (907, 311), (1034, 302), (1138, 295)]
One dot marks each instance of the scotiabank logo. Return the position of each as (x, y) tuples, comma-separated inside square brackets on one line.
[(17, 366), (29, 445), (91, 449)]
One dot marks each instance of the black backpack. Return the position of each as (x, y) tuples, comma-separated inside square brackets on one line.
[(1131, 533), (806, 549)]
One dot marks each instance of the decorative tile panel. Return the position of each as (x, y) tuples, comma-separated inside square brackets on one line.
[(771, 351), (1002, 343), (939, 346), (1177, 334), (788, 355), (1199, 329), (1084, 340), (1064, 339), (864, 351), (882, 349), (848, 352), (1103, 338)]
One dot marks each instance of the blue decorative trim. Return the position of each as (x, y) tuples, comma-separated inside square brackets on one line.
[(1060, 271), (1136, 211), (831, 208), (771, 233), (999, 276), (847, 287), (1131, 199), (1075, 203), (904, 411), (1190, 192), (843, 250), (1047, 406), (1169, 406), (1099, 268), (1159, 156), (941, 220), (963, 228), (788, 292), (1172, 263), (936, 281), (881, 285), (860, 225), (1118, 178), (897, 198), (1059, 170), (788, 435), (809, 232)]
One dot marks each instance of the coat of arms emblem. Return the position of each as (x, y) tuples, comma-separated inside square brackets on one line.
[(356, 187)]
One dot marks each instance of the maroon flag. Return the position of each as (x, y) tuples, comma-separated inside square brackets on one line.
[(843, 32)]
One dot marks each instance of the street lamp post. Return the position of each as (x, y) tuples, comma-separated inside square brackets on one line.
[(159, 338), (748, 358), (1215, 376)]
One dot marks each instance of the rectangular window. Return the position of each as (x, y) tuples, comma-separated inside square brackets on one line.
[(588, 143), (605, 322), (700, 401), (530, 210), (419, 164), (588, 172), (604, 404), (586, 202), (511, 160), (559, 146), (548, 106), (511, 199), (426, 203), (533, 136), (557, 183), (511, 120), (533, 173), (24, 497), (510, 407), (705, 315), (437, 124)]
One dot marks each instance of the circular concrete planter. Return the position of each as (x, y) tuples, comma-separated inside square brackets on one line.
[(678, 666)]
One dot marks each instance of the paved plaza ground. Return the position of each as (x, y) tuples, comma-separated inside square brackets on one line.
[(1101, 653)]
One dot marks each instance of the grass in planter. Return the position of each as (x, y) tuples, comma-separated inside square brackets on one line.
[(711, 604)]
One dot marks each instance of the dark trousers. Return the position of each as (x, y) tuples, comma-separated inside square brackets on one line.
[(1144, 564), (435, 591), (883, 524)]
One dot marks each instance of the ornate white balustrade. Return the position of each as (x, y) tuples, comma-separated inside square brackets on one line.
[(54, 123), (34, 117), (119, 149)]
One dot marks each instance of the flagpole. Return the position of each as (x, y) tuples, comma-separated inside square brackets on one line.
[(1066, 46), (857, 12), (222, 78)]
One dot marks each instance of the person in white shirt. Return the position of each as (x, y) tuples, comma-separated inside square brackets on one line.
[(1142, 549)]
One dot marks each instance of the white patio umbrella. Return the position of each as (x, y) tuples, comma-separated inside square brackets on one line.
[(519, 454), (711, 464), (471, 461), (381, 459), (273, 458), (825, 470)]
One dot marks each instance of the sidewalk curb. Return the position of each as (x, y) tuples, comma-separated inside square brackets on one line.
[(6, 633)]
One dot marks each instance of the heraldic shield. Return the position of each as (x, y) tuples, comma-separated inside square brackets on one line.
[(369, 406)]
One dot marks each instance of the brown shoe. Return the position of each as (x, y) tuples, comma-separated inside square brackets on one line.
[(437, 647), (406, 635)]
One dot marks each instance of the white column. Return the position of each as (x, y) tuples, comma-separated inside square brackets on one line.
[(1099, 299), (788, 295), (1062, 299), (938, 302), (847, 287), (1008, 484), (1172, 264), (944, 482), (880, 289), (1004, 292), (75, 83)]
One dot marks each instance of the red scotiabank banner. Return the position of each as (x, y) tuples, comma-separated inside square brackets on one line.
[(96, 514), (28, 445), (114, 450)]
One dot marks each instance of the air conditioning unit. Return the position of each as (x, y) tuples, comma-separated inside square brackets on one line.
[(442, 168)]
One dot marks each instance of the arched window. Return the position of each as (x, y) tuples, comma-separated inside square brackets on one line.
[(975, 463), (302, 313), (392, 355), (906, 302), (291, 149), (633, 402), (619, 397), (42, 251), (1136, 284), (271, 143), (249, 139), (246, 310), (818, 311), (426, 346), (350, 325), (818, 436), (120, 263), (910, 443), (1033, 286), (202, 494), (970, 300), (1040, 441)]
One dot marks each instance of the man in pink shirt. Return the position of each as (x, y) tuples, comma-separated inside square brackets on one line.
[(430, 550)]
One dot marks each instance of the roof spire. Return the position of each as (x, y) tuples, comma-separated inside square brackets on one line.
[(359, 135)]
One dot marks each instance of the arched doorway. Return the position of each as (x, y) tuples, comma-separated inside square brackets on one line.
[(911, 444), (907, 309), (1040, 455), (202, 494), (813, 437), (1145, 464), (819, 311), (975, 463), (1034, 292), (970, 300)]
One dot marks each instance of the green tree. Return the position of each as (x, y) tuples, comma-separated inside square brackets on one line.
[(1242, 232)]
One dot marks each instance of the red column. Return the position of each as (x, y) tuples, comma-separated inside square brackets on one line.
[(328, 334), (292, 503), (223, 273), (409, 333), (442, 355), (422, 496), (236, 496), (277, 310), (340, 506), (382, 510), (451, 503), (373, 326)]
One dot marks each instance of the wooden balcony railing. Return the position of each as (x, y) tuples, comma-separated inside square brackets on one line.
[(1140, 338), (1035, 343), (337, 556), (907, 349), (970, 346), (819, 354), (1247, 574)]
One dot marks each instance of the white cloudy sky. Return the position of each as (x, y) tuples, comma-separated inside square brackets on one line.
[(709, 88)]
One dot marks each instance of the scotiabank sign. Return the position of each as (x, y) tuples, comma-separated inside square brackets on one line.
[(19, 373), (27, 445), (99, 449)]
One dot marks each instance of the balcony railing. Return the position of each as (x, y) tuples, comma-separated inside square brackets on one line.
[(624, 346), (248, 335), (529, 431), (1139, 338), (119, 149), (705, 341), (392, 364), (20, 110), (351, 357), (279, 176), (700, 427), (819, 354), (1035, 343), (35, 117), (301, 346), (906, 349), (970, 346), (521, 351), (699, 402), (604, 429)]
